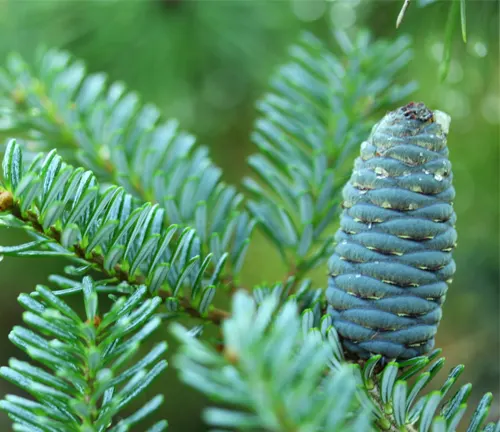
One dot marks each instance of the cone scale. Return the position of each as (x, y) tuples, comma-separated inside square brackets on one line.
[(389, 273)]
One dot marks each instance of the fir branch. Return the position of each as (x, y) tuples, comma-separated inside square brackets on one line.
[(125, 143), (266, 370), (69, 215), (399, 406), (87, 373), (280, 368), (271, 374), (318, 110)]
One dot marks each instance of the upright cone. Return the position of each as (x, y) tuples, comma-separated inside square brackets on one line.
[(389, 273)]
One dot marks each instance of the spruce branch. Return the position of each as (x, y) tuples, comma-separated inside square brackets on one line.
[(319, 108), (124, 142), (87, 373), (70, 215)]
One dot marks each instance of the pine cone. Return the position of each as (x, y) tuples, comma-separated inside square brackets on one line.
[(392, 262)]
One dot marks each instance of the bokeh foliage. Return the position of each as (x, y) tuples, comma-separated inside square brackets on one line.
[(206, 63)]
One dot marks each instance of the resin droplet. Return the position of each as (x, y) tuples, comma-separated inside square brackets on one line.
[(381, 172)]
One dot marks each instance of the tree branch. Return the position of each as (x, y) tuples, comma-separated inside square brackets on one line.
[(214, 315), (153, 160)]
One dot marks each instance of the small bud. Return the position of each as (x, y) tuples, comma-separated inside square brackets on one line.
[(231, 355), (6, 201)]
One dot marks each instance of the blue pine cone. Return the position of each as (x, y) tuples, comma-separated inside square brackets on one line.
[(392, 262)]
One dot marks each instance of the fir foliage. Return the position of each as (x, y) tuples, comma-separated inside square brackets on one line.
[(272, 372), (280, 372), (318, 111), (88, 371), (124, 142), (70, 215), (146, 210)]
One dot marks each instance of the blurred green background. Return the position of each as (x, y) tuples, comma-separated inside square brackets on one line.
[(207, 62)]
